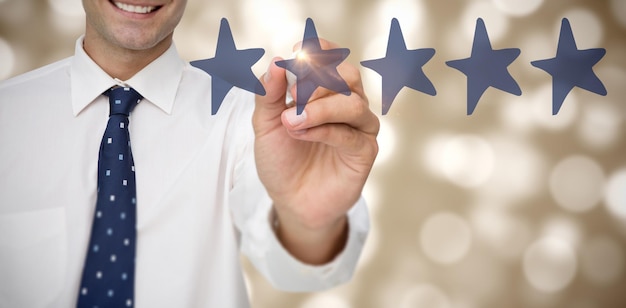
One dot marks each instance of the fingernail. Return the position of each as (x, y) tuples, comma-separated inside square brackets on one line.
[(294, 119)]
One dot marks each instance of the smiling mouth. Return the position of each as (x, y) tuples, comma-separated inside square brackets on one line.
[(135, 8)]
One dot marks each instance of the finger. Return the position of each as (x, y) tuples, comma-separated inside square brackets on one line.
[(268, 108), (349, 140), (350, 75), (348, 72), (350, 110)]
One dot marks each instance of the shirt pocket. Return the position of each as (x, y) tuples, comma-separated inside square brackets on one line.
[(33, 253)]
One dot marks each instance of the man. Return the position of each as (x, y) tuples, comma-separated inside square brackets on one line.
[(199, 200)]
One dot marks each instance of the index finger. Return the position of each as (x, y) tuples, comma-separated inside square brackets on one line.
[(321, 69)]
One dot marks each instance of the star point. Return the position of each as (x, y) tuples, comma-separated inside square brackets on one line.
[(486, 68), (571, 67), (401, 67), (316, 67), (231, 67)]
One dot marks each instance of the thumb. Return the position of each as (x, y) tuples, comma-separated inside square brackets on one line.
[(269, 107)]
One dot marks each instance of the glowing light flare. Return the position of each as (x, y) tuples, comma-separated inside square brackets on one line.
[(320, 71), (301, 55)]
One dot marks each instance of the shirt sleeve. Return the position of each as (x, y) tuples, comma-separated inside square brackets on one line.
[(251, 210)]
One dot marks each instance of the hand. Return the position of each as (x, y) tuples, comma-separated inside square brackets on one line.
[(314, 165)]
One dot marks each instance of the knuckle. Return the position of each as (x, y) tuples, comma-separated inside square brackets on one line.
[(357, 106), (349, 137)]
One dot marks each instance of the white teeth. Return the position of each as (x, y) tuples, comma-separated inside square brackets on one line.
[(135, 8)]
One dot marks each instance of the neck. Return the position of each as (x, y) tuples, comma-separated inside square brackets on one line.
[(119, 62)]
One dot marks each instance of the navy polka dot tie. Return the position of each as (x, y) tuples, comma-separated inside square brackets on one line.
[(109, 270)]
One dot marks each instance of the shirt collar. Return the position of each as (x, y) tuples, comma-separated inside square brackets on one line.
[(157, 82)]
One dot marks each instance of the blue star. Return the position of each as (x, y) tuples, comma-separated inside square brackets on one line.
[(486, 68), (571, 68), (231, 67), (315, 67), (401, 67)]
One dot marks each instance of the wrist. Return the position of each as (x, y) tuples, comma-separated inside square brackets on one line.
[(313, 243)]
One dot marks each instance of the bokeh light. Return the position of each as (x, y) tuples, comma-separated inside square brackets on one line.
[(68, 16), (518, 8), (541, 108), (445, 237), (586, 26), (535, 44), (497, 24), (515, 116), (386, 142), (601, 125), (267, 19), (465, 160), (70, 8), (602, 260), (326, 301), (615, 194), (425, 295), (249, 285), (518, 170), (410, 15), (323, 15), (375, 205), (577, 183), (618, 9), (372, 245), (7, 59), (549, 264), (563, 228), (507, 235)]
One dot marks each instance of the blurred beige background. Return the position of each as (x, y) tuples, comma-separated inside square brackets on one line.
[(509, 207)]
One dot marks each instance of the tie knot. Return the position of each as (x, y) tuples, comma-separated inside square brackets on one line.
[(122, 100)]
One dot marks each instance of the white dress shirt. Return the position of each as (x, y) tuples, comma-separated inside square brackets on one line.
[(199, 200)]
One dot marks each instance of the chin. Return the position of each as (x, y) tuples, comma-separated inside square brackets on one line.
[(141, 42)]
